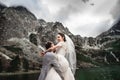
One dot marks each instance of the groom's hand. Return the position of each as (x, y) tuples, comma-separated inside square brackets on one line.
[(42, 53)]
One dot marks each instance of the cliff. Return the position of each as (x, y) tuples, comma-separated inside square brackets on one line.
[(23, 36)]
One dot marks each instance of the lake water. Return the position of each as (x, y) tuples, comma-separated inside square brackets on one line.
[(102, 73)]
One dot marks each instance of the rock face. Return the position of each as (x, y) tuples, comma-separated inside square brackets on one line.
[(110, 42), (22, 38), (16, 26), (16, 22), (48, 31), (104, 49)]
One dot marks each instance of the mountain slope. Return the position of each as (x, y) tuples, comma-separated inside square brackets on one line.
[(22, 38)]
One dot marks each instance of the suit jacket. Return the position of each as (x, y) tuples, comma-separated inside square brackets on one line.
[(50, 60)]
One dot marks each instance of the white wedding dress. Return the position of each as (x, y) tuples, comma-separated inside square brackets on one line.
[(64, 65)]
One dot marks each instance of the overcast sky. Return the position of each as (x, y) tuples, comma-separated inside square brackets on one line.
[(83, 17)]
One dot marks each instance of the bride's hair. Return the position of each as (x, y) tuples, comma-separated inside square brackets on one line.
[(48, 44), (63, 36)]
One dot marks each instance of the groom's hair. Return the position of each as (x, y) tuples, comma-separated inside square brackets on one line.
[(48, 44)]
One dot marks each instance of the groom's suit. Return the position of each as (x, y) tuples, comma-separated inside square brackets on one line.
[(49, 61)]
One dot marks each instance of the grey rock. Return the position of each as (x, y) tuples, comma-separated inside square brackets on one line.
[(21, 33)]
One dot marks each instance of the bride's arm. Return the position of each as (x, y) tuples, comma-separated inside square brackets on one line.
[(54, 47)]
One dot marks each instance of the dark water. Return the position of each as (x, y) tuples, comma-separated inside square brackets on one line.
[(21, 77), (103, 73)]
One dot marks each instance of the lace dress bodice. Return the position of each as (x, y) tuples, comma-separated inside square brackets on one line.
[(61, 49)]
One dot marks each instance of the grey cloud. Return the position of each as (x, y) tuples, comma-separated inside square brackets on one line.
[(35, 6), (72, 6), (116, 10), (93, 29), (102, 8)]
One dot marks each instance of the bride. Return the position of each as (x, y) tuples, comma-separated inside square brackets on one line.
[(66, 58)]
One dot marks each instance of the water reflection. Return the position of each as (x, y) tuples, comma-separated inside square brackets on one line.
[(103, 73), (20, 77)]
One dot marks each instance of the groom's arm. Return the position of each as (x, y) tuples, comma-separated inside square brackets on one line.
[(42, 74), (45, 68)]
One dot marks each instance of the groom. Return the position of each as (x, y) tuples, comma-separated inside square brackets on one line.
[(49, 61)]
